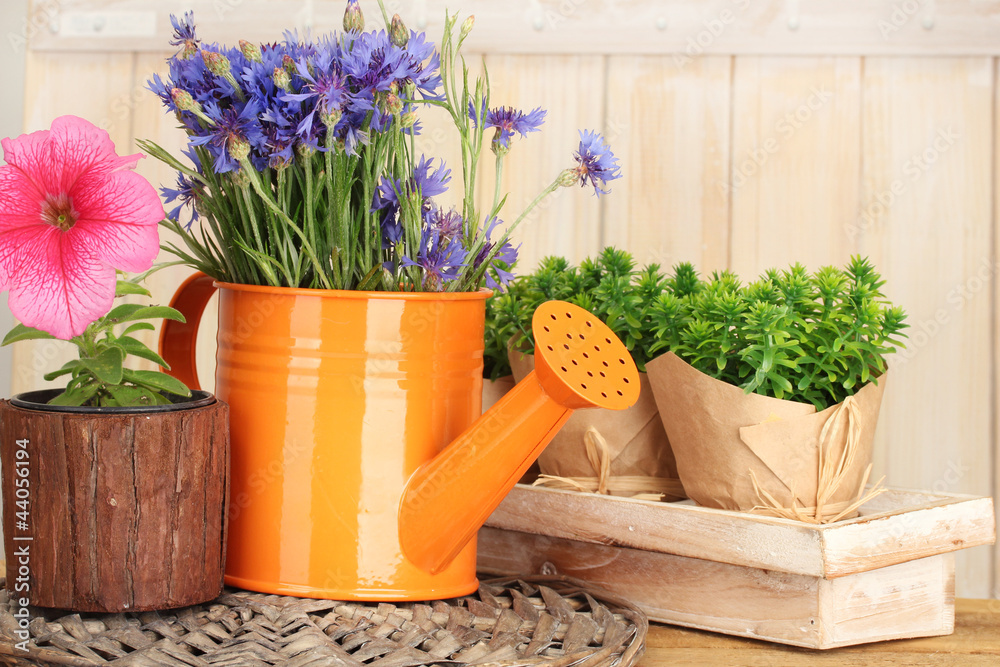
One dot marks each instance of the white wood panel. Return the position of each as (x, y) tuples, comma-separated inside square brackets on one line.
[(694, 27), (571, 89), (669, 118), (796, 139), (928, 218)]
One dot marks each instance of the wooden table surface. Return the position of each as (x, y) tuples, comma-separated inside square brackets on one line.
[(976, 642)]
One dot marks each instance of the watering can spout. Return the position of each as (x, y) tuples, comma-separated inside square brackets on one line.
[(579, 363)]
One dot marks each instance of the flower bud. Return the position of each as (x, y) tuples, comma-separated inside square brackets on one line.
[(184, 101), (354, 20), (238, 147), (277, 163), (408, 119), (398, 33), (188, 50), (217, 63), (251, 51), (498, 147), (305, 150), (568, 178), (467, 26), (288, 64), (393, 104), (282, 79), (331, 118)]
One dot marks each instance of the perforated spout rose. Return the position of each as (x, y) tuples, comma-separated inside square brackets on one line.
[(71, 212)]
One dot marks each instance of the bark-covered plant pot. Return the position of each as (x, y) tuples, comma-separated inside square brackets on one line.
[(114, 509)]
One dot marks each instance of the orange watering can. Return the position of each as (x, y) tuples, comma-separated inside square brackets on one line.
[(343, 405)]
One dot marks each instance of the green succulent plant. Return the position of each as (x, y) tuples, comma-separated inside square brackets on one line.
[(814, 338), (608, 286)]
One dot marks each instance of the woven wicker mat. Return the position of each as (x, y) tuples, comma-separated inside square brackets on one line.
[(526, 621)]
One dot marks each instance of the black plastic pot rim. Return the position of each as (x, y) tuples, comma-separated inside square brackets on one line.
[(38, 400)]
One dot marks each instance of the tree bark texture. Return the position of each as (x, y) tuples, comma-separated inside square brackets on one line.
[(124, 512)]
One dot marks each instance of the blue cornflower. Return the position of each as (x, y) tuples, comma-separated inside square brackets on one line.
[(325, 85), (431, 182), (184, 34), (184, 194), (507, 121), (440, 258), (233, 136), (507, 255), (597, 164), (162, 90), (449, 223), (426, 180)]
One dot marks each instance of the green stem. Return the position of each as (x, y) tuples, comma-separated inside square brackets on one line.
[(266, 198), (496, 189)]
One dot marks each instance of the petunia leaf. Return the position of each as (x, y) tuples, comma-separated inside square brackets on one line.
[(132, 396), (76, 395), (139, 349), (67, 368), (158, 313), (138, 326), (21, 332), (107, 366), (123, 313), (125, 287), (158, 381)]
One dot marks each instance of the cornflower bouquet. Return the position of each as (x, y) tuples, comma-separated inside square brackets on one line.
[(814, 338), (303, 168)]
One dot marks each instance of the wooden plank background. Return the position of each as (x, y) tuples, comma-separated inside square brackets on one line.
[(752, 134)]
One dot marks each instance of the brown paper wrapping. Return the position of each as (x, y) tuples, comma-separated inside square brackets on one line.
[(720, 435), (635, 438)]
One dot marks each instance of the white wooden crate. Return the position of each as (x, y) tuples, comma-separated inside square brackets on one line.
[(888, 574)]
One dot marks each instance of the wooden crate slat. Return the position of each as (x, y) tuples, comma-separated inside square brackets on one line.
[(908, 526), (861, 546), (914, 599)]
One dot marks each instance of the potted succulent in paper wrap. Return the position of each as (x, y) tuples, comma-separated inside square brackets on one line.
[(114, 487), (352, 303), (770, 392), (620, 453)]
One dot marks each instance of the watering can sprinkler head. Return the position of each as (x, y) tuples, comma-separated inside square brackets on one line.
[(579, 363)]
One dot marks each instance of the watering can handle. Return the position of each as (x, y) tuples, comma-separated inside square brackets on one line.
[(178, 339)]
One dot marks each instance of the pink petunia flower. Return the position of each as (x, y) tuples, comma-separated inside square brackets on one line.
[(71, 212)]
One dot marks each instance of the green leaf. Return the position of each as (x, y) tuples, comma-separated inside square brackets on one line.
[(76, 395), (107, 366), (132, 396), (67, 368), (158, 381), (21, 332), (158, 313), (139, 349), (125, 287), (123, 312), (138, 326)]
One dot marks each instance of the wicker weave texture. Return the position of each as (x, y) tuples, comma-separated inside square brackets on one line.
[(511, 622)]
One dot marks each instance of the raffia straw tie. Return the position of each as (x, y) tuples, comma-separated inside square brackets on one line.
[(832, 474), (599, 455)]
